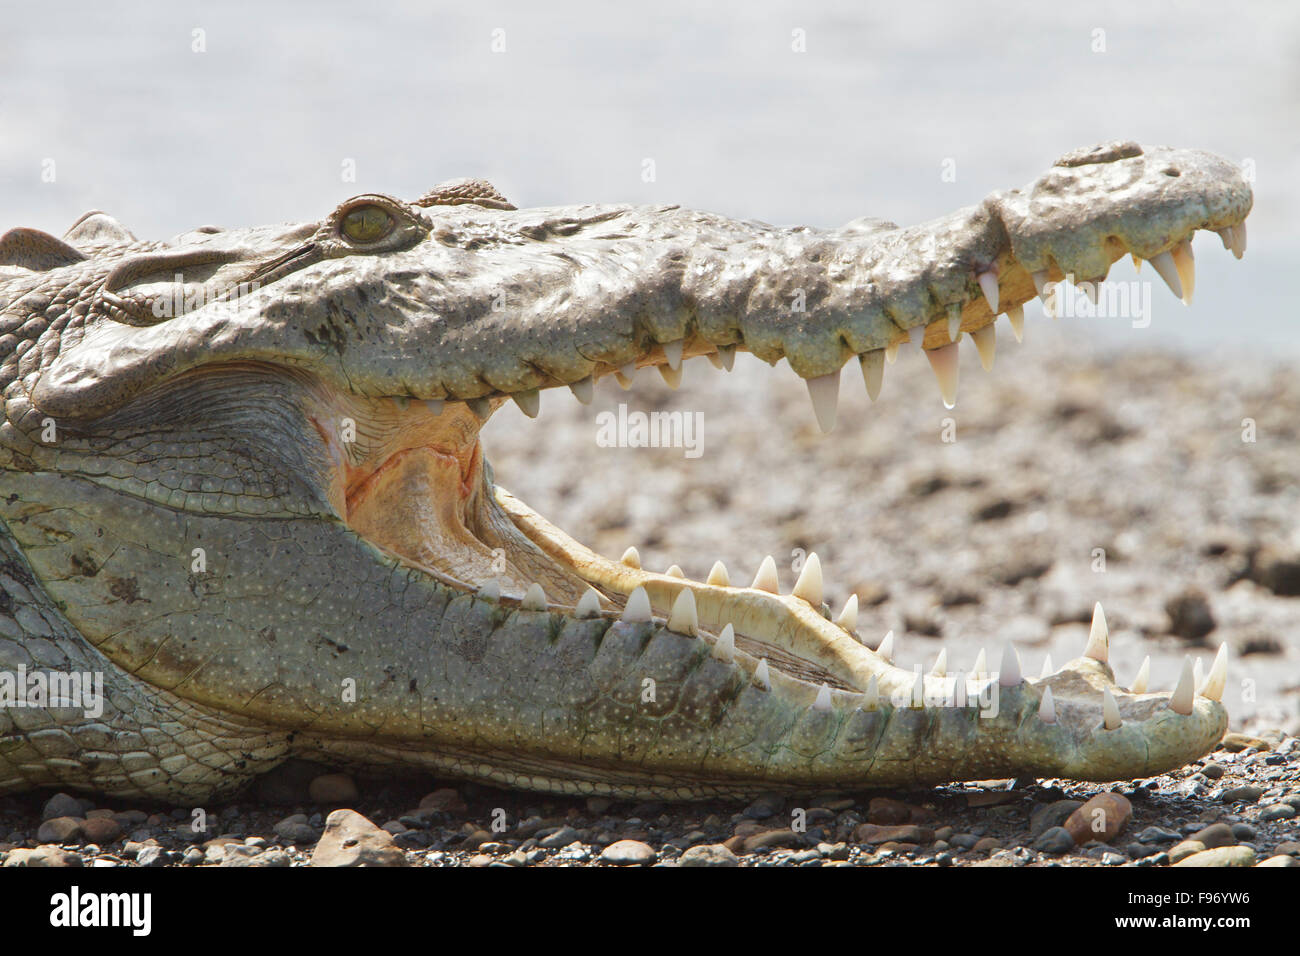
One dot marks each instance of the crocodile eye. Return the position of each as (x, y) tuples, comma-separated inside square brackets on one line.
[(368, 223)]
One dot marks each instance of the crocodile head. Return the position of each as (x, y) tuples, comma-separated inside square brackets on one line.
[(245, 466)]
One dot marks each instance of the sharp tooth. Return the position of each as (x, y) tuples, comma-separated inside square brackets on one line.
[(1041, 278), (809, 585), (954, 324), (675, 572), (1225, 235), (1143, 675), (631, 558), (981, 664), (1046, 707), (718, 576), (761, 676), (673, 376), (940, 664), (1016, 316), (823, 701), (1090, 289), (481, 407), (891, 350), (959, 690), (584, 391), (673, 353), (1109, 711), (1180, 701), (825, 394), (1048, 669), (1218, 679), (886, 648), (714, 360), (873, 371), (534, 598), (724, 648), (588, 605), (871, 699), (637, 608), (944, 362), (989, 284), (491, 591), (1099, 637), (529, 402), (727, 355), (1009, 672), (1239, 238), (683, 617), (848, 618), (625, 374), (986, 343), (765, 579), (1168, 270), (434, 405), (1185, 263), (1137, 263)]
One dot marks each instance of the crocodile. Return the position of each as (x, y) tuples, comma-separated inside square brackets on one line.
[(247, 517)]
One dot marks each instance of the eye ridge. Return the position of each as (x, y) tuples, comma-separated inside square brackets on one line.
[(367, 223)]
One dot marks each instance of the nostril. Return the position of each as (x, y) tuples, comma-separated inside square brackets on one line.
[(1171, 171)]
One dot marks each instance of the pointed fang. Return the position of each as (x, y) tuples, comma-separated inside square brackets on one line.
[(809, 585), (986, 343), (529, 402), (683, 618), (886, 648), (534, 598), (1016, 316), (718, 576), (848, 618), (584, 391), (1185, 263), (761, 676), (822, 703), (1046, 708), (989, 285), (1218, 679), (631, 558), (1164, 264), (1099, 637), (588, 605), (1048, 670), (873, 371), (671, 376), (674, 571), (940, 668), (1143, 676), (1110, 711), (727, 355), (724, 648), (1180, 701), (637, 609), (825, 394), (765, 579), (1009, 672), (944, 362), (871, 699)]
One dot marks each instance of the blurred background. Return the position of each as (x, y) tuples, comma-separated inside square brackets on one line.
[(170, 115)]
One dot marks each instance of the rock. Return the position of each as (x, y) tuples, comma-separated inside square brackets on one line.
[(1276, 570), (1220, 856), (708, 854), (286, 784), (1051, 815), (101, 830), (870, 833), (1280, 860), (1101, 818), (61, 805), (964, 841), (60, 830), (887, 812), (1236, 743), (1158, 835), (1247, 794), (1291, 847), (598, 806), (986, 845), (43, 856), (1190, 616), (444, 800), (151, 855), (562, 837), (1215, 835), (352, 840), (1277, 811), (628, 853), (1054, 840), (1212, 770), (1181, 851), (765, 806), (771, 838), (833, 851), (1004, 858), (333, 789)]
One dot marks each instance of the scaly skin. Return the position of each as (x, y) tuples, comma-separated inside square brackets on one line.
[(264, 517)]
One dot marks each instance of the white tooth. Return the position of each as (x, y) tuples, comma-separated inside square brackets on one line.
[(714, 360), (765, 579), (940, 664), (989, 284), (891, 350), (625, 374), (1099, 637), (1225, 234), (825, 394), (637, 609), (675, 572), (981, 664), (1180, 701), (1046, 708), (761, 676), (871, 699), (529, 402), (823, 701), (673, 353), (1048, 669), (1239, 237), (848, 618), (481, 407), (986, 343), (1109, 711), (959, 690), (671, 376), (918, 691), (809, 585), (1143, 675), (873, 371), (718, 576), (490, 591), (683, 617), (944, 362), (434, 405), (727, 355), (1218, 679), (954, 324), (1041, 278), (588, 605), (534, 598), (584, 391), (1168, 270), (1016, 316), (724, 648), (886, 648), (1185, 263), (631, 558), (1009, 672)]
